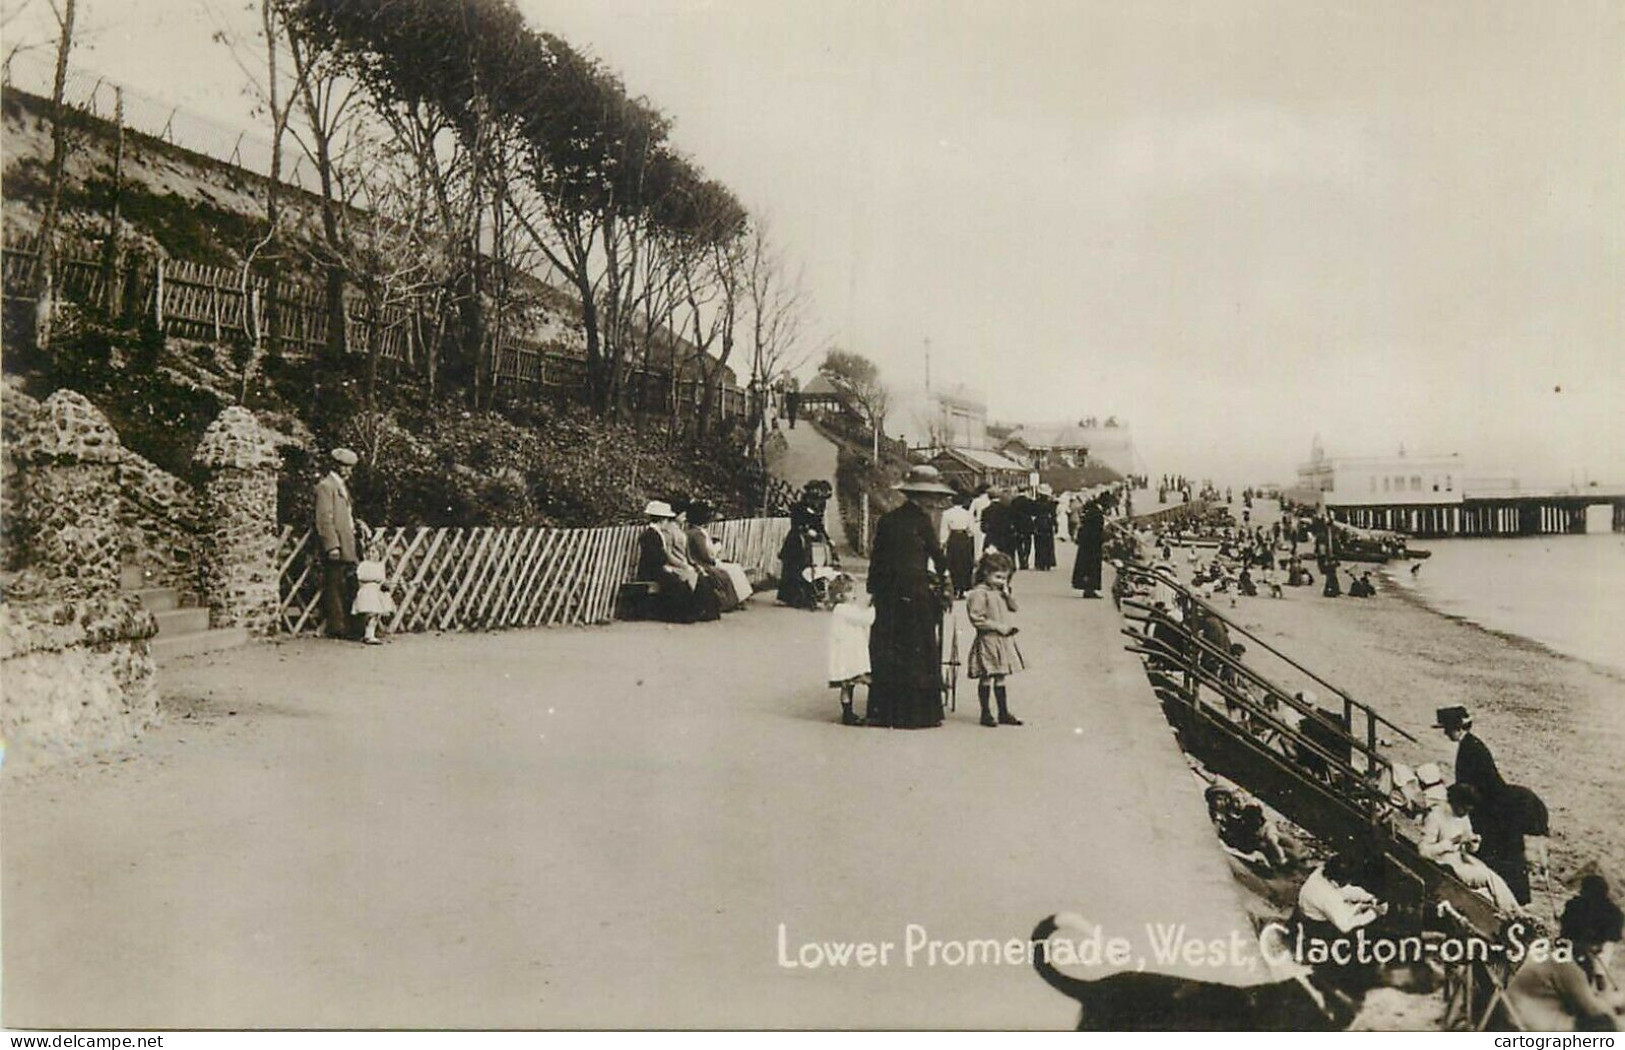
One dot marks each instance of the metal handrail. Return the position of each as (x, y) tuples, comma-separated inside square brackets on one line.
[(1349, 702), (1303, 707), (1193, 669)]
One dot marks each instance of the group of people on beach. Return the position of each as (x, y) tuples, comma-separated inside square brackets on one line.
[(1489, 833)]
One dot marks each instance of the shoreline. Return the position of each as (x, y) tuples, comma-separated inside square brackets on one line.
[(1413, 597), (1551, 719)]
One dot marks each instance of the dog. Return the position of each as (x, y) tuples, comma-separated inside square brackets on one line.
[(1136, 1001)]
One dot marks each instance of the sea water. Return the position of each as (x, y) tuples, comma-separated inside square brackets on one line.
[(1565, 592)]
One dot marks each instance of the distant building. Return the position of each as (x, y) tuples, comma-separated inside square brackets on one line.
[(1401, 479), (1075, 446), (951, 417), (967, 468)]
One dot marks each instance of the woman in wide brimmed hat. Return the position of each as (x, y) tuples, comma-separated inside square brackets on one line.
[(905, 690), (663, 560)]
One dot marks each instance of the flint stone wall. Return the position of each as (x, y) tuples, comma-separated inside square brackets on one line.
[(68, 457), (158, 519), (157, 511), (78, 675), (238, 505)]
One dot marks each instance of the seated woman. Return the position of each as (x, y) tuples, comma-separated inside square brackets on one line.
[(1565, 994), (733, 587), (1448, 839), (1331, 904), (663, 560)]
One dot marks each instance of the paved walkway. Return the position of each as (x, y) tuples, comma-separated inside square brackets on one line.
[(811, 455), (597, 827)]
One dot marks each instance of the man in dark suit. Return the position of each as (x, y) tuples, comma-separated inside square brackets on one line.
[(1024, 522), (905, 678), (998, 524), (336, 532)]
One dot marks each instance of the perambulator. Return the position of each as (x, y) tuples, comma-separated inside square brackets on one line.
[(821, 570)]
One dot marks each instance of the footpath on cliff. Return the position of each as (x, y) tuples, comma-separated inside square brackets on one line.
[(626, 826), (809, 456)]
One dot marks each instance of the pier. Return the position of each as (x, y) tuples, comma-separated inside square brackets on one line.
[(1502, 514)]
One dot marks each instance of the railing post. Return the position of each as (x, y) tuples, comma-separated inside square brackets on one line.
[(158, 294)]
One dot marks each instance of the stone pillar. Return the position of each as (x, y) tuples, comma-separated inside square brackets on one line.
[(237, 515), (69, 458)]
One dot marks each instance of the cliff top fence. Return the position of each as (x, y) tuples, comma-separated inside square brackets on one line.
[(472, 579), (196, 301)]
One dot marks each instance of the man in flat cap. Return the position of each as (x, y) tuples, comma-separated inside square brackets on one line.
[(336, 531)]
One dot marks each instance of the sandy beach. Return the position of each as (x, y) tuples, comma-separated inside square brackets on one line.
[(1551, 720)]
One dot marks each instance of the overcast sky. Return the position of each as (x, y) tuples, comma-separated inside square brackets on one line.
[(1234, 225)]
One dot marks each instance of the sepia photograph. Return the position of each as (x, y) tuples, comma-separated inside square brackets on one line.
[(811, 515)]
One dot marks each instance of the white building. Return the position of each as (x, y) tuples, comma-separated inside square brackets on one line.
[(952, 417), (1402, 479)]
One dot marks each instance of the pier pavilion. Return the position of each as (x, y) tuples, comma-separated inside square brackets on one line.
[(1434, 495)]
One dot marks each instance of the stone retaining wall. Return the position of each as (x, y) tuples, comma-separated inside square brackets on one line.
[(157, 511), (78, 675), (75, 657)]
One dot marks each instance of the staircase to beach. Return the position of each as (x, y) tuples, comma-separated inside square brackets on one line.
[(183, 626)]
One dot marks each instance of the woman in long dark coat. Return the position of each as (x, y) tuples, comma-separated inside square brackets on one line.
[(905, 658), (1046, 518), (1091, 534), (795, 555)]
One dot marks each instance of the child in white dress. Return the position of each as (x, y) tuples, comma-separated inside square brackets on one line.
[(373, 600), (849, 642)]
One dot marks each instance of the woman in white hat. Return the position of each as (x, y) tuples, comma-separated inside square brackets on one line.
[(663, 559), (905, 690)]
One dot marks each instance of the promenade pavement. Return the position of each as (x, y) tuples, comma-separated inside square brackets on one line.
[(600, 827)]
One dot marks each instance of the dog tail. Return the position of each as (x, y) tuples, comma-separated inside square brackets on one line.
[(1071, 987)]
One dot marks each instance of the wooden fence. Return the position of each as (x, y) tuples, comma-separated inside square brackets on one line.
[(486, 578), (195, 301)]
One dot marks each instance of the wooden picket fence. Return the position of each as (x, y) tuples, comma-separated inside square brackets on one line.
[(471, 579)]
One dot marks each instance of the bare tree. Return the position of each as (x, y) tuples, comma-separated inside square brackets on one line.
[(393, 248), (858, 380), (325, 97), (45, 275), (778, 306)]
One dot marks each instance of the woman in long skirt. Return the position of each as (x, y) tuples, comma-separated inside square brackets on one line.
[(959, 543), (905, 690), (1091, 534)]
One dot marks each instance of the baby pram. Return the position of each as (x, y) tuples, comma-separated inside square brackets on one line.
[(821, 570)]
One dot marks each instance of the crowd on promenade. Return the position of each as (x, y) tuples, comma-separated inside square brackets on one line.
[(940, 547)]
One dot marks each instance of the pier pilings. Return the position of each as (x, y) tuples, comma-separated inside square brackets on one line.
[(1508, 516)]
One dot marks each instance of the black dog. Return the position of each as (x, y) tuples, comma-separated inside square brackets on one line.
[(1155, 1002)]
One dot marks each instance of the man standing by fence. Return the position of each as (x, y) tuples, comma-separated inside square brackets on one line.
[(336, 529)]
